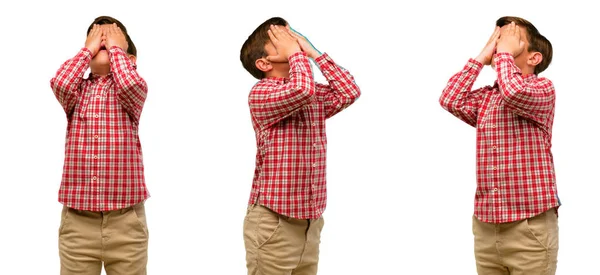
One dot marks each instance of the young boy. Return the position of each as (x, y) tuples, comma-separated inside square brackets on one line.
[(282, 228), (515, 220), (102, 187)]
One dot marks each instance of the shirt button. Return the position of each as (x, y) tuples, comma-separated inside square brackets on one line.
[(98, 96), (96, 115), (95, 156), (94, 178), (494, 147), (495, 189), (314, 124), (493, 125), (96, 136), (314, 165), (315, 144), (494, 168)]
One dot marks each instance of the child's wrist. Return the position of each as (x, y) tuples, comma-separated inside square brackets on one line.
[(316, 55)]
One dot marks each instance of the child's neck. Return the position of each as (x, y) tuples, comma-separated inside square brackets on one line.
[(527, 71), (280, 74), (100, 70)]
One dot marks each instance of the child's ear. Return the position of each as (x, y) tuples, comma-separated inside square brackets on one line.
[(263, 64), (534, 59), (132, 58)]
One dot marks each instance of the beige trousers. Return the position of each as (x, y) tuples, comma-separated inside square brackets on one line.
[(280, 245), (526, 247), (118, 238)]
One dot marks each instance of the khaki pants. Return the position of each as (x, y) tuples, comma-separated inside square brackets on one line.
[(280, 245), (526, 247), (118, 238)]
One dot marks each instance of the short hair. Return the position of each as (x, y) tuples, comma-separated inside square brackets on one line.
[(537, 42), (254, 47), (102, 20)]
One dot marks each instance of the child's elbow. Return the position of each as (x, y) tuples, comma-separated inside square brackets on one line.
[(307, 90), (357, 93), (54, 83), (445, 103)]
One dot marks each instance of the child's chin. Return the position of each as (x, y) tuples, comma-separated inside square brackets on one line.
[(100, 60), (103, 54)]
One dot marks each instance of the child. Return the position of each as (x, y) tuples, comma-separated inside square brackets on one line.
[(283, 224), (515, 221), (102, 189)]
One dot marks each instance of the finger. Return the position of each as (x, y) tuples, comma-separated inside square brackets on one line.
[(518, 32), (272, 37), (110, 30), (99, 31), (295, 32), (94, 31), (276, 58), (277, 31), (282, 32), (117, 30), (506, 30), (298, 35), (291, 32), (496, 33), (295, 36), (274, 31)]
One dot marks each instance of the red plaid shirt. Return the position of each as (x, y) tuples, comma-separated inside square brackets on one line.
[(513, 118), (288, 116), (103, 167)]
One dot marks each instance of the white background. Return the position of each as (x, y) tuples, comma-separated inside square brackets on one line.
[(401, 171)]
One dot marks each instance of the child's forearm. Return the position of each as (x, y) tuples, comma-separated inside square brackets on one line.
[(66, 84), (458, 98), (342, 90), (527, 98), (270, 104), (131, 88)]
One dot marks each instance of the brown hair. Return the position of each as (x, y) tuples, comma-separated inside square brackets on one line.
[(102, 20), (254, 47), (537, 42)]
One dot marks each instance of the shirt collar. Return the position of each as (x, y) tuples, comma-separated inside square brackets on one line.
[(93, 76), (277, 80), (529, 77), (526, 78)]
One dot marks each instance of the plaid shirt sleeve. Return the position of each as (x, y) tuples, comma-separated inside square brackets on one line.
[(458, 99), (531, 99), (131, 89), (66, 84), (342, 90), (269, 105)]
